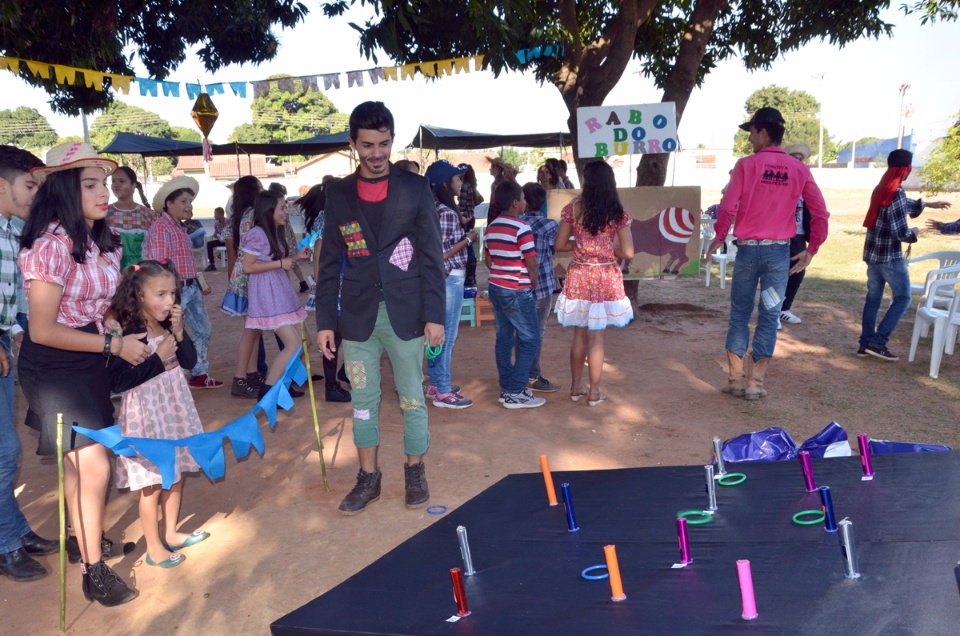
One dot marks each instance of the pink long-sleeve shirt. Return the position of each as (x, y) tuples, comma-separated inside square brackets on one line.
[(763, 194)]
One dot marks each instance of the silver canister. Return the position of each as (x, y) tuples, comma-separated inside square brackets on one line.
[(465, 551), (711, 488), (848, 549), (718, 455)]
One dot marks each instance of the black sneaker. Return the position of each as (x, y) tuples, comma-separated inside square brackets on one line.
[(211, 268), (862, 352), (365, 492), (881, 352), (101, 584), (415, 483), (242, 388), (337, 394), (304, 287)]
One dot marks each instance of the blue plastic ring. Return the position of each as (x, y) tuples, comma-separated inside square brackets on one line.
[(436, 510), (595, 577)]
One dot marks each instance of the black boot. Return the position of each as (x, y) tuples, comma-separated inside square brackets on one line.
[(415, 481), (36, 545), (365, 492), (20, 566), (255, 379), (342, 375), (101, 584), (336, 393), (107, 549), (471, 278), (263, 390)]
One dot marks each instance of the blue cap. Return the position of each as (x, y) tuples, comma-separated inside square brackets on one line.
[(442, 171)]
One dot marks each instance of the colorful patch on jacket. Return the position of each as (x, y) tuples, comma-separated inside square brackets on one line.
[(353, 237), (410, 404)]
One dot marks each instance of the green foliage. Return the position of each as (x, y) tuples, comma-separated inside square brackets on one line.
[(186, 134), (941, 172), (799, 109), (104, 36), (119, 117), (26, 128), (933, 10)]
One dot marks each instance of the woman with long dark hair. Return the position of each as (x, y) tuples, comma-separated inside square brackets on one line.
[(468, 199), (593, 298), (70, 262)]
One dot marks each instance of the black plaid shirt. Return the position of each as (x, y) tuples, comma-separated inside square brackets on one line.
[(884, 238)]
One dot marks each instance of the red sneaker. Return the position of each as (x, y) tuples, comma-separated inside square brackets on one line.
[(204, 382)]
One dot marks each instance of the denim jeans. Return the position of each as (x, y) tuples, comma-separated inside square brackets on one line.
[(196, 238), (768, 265), (195, 316), (543, 306), (439, 367), (13, 525), (515, 315), (895, 274)]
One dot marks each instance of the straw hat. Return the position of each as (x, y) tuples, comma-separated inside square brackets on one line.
[(72, 155), (509, 171), (799, 149), (171, 186)]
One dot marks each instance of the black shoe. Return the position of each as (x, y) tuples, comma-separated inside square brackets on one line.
[(342, 375), (262, 391), (101, 584), (254, 378), (211, 268), (107, 549), (242, 388), (337, 394), (316, 377), (862, 352), (20, 566), (36, 545), (882, 352), (365, 492), (295, 392), (415, 483), (304, 287)]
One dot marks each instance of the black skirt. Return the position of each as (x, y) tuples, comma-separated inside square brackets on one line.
[(74, 383)]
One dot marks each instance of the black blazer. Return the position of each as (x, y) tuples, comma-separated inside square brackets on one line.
[(413, 297)]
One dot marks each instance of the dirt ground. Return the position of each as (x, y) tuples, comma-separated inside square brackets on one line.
[(277, 540)]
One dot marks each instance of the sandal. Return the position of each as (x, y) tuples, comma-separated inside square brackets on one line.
[(600, 398), (576, 398)]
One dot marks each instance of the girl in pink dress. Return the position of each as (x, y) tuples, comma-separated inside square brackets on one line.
[(273, 305), (157, 403), (593, 296)]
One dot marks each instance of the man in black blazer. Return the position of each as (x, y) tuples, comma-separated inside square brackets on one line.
[(382, 224)]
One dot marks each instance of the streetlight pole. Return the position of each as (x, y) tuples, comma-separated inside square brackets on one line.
[(903, 95), (820, 118)]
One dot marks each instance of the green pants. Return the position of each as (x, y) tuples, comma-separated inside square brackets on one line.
[(362, 361)]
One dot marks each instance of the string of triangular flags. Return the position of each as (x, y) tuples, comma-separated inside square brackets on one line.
[(100, 81)]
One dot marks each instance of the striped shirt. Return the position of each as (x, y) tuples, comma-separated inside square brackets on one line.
[(508, 242)]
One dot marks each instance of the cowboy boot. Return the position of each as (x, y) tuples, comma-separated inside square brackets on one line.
[(755, 389), (735, 379)]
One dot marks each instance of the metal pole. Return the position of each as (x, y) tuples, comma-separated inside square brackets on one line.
[(903, 95), (820, 118)]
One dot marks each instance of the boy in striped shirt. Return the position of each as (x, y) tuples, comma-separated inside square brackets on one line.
[(510, 254)]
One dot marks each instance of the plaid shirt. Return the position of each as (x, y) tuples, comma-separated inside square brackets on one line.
[(167, 239), (950, 228), (88, 287), (451, 233), (139, 219), (890, 230), (9, 273), (544, 233)]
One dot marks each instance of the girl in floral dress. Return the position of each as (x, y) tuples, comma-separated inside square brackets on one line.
[(157, 403), (593, 296)]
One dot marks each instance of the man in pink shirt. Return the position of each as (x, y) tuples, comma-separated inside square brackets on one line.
[(762, 195)]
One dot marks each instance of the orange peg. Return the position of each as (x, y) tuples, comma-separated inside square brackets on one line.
[(548, 480), (613, 569)]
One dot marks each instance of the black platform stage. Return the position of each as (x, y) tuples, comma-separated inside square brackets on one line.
[(906, 526)]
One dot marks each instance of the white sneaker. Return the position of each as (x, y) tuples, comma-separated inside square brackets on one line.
[(779, 325), (523, 400), (788, 316)]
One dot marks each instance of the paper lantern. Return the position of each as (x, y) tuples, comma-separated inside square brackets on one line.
[(205, 115)]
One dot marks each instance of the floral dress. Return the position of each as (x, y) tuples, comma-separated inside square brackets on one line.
[(235, 301), (593, 295)]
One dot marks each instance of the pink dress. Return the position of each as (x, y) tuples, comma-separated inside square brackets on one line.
[(273, 303), (593, 295), (160, 408)]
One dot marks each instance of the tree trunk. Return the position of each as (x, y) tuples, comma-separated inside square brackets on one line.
[(652, 170)]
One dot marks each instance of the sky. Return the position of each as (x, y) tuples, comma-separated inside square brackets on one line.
[(859, 88)]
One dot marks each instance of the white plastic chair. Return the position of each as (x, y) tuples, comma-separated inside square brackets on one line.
[(944, 321), (722, 260), (706, 234), (949, 267)]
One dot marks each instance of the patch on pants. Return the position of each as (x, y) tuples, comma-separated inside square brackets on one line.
[(357, 374), (361, 414), (410, 405)]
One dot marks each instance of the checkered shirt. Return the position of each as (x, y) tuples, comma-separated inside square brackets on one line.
[(544, 233), (9, 273), (950, 228), (167, 239), (88, 287), (451, 232), (139, 219), (882, 244), (22, 306)]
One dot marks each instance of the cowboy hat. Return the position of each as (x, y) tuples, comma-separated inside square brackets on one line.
[(171, 186), (72, 155), (799, 149), (509, 170)]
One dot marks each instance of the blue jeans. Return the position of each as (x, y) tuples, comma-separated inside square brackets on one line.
[(543, 306), (439, 367), (196, 238), (895, 274), (768, 265), (515, 314), (194, 314), (13, 525)]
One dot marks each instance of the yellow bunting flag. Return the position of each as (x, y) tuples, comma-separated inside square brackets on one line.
[(390, 73), (39, 68), (93, 79), (120, 83), (12, 64), (478, 63), (445, 67), (461, 65), (429, 69), (65, 74), (407, 71)]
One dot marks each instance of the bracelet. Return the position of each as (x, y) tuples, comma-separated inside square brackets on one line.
[(469, 242), (120, 348), (107, 339)]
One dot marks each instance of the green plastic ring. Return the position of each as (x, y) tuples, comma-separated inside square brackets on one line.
[(817, 514), (695, 517), (730, 477), (433, 352)]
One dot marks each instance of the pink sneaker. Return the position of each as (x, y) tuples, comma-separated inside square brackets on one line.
[(451, 401)]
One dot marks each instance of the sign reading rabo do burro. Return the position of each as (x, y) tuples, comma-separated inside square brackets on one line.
[(605, 131)]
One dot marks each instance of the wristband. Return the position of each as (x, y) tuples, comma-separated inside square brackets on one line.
[(107, 339), (469, 242)]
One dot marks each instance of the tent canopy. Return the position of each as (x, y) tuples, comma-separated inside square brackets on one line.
[(129, 143), (434, 138)]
